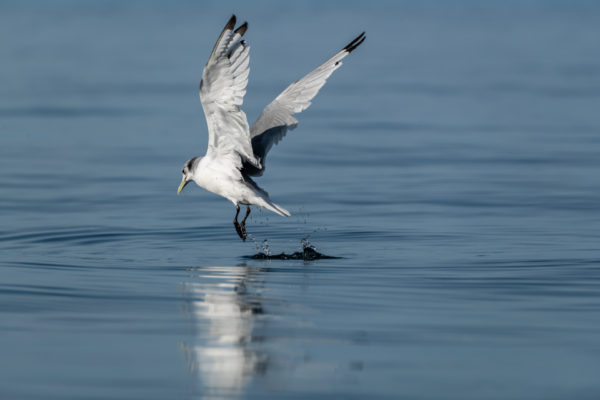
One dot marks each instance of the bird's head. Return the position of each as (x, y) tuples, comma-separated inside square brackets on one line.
[(187, 172)]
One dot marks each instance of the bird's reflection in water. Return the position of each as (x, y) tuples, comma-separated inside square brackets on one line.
[(223, 312)]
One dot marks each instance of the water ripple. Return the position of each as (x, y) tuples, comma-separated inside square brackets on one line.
[(67, 112)]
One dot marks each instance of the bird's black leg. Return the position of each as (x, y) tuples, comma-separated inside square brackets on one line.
[(243, 227), (238, 228)]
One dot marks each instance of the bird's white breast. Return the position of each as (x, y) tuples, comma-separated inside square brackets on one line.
[(220, 177)]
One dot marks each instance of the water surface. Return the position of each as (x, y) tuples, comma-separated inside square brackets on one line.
[(450, 166)]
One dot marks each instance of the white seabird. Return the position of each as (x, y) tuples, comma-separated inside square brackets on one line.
[(237, 151)]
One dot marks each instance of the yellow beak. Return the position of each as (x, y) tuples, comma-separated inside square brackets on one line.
[(182, 185)]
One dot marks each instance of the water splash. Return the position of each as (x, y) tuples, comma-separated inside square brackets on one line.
[(261, 247), (308, 253)]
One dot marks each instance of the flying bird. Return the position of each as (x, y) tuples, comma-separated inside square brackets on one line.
[(236, 151)]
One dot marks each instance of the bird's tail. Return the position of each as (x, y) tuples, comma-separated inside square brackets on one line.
[(269, 205), (261, 198)]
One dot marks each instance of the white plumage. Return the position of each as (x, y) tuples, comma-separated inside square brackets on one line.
[(235, 151)]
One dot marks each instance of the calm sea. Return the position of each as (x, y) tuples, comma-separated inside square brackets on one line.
[(452, 165)]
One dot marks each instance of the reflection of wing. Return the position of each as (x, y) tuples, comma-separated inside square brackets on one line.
[(224, 319), (222, 90), (278, 117)]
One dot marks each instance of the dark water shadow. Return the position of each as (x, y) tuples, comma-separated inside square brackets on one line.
[(308, 253)]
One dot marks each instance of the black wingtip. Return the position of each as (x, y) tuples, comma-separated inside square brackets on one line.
[(230, 23), (355, 43), (242, 29)]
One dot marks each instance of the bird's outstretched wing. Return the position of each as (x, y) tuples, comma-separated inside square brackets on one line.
[(222, 91), (278, 116)]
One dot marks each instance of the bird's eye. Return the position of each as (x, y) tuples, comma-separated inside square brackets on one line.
[(183, 171)]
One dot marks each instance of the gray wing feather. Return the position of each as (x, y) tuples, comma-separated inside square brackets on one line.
[(278, 116), (222, 91)]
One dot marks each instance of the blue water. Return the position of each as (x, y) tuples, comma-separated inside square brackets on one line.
[(452, 164)]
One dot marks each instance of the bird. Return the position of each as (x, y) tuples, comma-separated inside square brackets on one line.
[(237, 152)]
